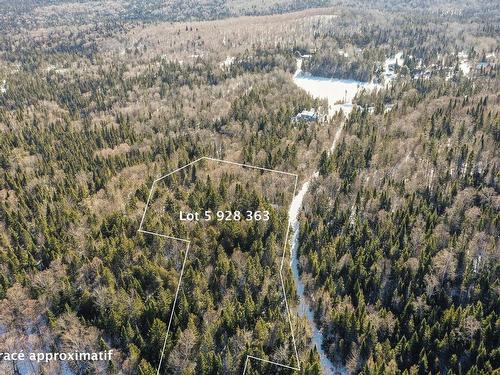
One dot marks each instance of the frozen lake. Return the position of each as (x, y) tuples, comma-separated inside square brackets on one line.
[(338, 92)]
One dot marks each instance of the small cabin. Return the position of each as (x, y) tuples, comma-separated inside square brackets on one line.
[(310, 115)]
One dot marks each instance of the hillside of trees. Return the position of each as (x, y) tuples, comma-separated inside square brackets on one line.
[(399, 236)]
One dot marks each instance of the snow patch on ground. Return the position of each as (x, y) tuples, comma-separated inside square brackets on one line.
[(343, 53), (228, 62), (54, 68), (464, 65), (324, 17), (390, 65), (3, 87)]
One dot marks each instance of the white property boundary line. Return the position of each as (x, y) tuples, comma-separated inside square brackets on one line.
[(188, 244)]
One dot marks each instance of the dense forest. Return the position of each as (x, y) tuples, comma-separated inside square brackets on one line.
[(75, 183), (80, 149), (232, 303), (400, 242), (399, 233)]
